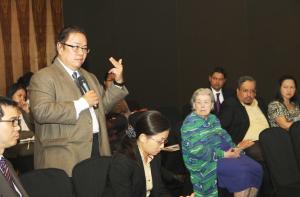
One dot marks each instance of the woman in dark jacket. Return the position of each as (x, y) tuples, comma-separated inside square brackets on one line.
[(135, 168)]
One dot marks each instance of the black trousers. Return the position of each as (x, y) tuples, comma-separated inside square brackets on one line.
[(255, 152)]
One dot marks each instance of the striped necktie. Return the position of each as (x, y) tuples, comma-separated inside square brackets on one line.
[(5, 171), (75, 77)]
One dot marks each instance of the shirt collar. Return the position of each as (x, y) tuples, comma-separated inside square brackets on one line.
[(150, 157), (215, 92), (253, 104), (69, 71)]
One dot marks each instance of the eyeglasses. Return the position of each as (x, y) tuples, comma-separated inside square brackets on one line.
[(250, 91), (76, 48), (14, 122), (160, 142)]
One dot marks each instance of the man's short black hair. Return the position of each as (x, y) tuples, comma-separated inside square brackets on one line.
[(242, 79), (219, 69), (4, 101)]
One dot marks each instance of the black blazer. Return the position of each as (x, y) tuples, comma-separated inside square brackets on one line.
[(127, 177), (5, 188), (227, 93), (234, 118)]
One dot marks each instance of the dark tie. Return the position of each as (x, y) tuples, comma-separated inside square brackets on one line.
[(75, 77), (5, 171), (218, 103)]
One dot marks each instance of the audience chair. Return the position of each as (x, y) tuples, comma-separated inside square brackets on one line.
[(280, 158), (48, 182), (295, 136), (90, 177), (174, 173)]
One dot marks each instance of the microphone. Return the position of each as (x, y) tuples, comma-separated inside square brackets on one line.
[(84, 87)]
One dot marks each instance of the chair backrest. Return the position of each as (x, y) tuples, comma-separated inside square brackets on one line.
[(90, 177), (295, 136), (47, 183), (280, 157)]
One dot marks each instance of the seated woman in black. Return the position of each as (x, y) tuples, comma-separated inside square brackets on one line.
[(135, 168)]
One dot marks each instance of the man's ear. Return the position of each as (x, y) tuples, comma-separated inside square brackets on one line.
[(59, 47)]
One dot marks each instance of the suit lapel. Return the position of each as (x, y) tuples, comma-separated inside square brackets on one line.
[(141, 166), (17, 182), (139, 161), (224, 93), (263, 109), (91, 82), (66, 78), (5, 187)]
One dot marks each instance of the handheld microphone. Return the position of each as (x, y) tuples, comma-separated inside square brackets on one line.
[(84, 87)]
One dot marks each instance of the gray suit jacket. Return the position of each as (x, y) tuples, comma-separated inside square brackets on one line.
[(62, 140), (5, 188)]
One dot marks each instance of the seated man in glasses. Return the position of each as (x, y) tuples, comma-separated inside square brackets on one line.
[(69, 105), (9, 134)]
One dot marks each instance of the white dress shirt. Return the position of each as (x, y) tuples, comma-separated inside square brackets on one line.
[(81, 104), (221, 97)]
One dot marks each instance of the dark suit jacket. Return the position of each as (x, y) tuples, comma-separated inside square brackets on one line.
[(128, 177), (5, 188), (227, 93), (234, 118)]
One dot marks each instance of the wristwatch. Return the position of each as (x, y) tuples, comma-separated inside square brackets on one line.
[(119, 84)]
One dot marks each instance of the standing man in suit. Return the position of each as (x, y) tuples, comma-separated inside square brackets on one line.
[(10, 185), (217, 79), (70, 120)]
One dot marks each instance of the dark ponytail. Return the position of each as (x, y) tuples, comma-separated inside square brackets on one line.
[(148, 123)]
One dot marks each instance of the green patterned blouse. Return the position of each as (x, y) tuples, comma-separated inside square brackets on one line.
[(201, 149)]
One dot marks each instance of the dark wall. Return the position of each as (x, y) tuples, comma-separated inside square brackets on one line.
[(140, 32), (169, 46)]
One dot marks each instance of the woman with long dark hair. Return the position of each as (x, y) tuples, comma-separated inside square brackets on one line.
[(135, 168), (284, 110)]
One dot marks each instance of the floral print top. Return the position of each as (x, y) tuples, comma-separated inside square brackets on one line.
[(277, 109)]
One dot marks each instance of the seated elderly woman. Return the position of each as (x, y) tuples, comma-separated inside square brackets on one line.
[(284, 110), (210, 155)]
